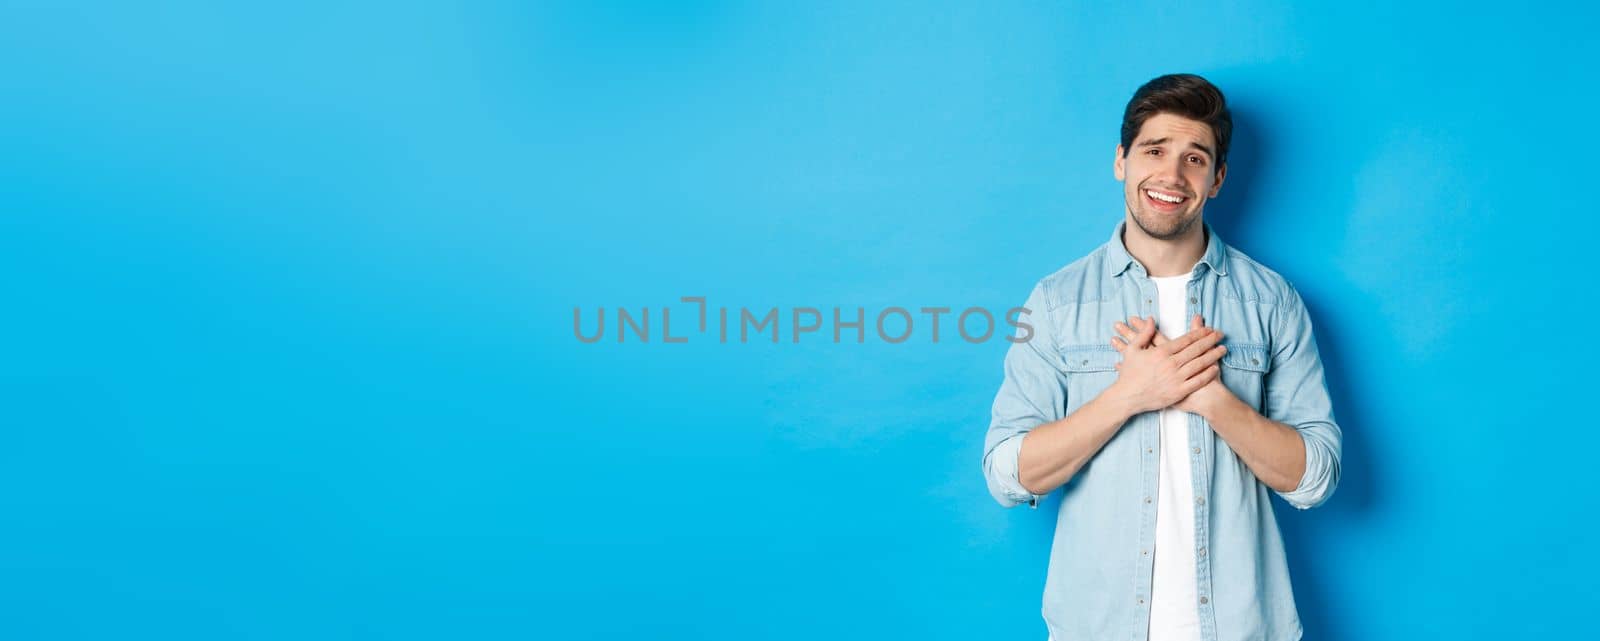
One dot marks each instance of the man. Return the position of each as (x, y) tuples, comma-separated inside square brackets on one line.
[(1169, 382)]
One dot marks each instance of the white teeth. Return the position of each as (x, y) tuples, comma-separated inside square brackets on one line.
[(1163, 197)]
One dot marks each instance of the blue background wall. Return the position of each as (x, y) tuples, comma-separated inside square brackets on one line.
[(288, 309)]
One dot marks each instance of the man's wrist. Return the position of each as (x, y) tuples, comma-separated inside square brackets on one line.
[(1222, 409), (1121, 405)]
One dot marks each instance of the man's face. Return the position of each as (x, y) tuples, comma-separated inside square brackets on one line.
[(1168, 174)]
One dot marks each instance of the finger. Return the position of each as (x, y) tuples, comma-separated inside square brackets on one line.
[(1178, 344), (1139, 338), (1195, 322), (1203, 379), (1204, 360), (1127, 332), (1117, 344), (1207, 339), (1191, 336), (1147, 330), (1134, 337), (1156, 337)]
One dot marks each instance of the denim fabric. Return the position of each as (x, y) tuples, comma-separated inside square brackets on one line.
[(1098, 583)]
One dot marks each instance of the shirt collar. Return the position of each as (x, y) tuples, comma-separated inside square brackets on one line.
[(1118, 259)]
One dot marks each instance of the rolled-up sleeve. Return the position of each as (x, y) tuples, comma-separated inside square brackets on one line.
[(1032, 393), (1297, 396)]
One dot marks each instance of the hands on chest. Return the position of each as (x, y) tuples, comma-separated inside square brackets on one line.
[(1157, 372)]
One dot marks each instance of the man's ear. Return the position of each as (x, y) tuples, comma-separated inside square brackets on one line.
[(1116, 167), (1222, 173)]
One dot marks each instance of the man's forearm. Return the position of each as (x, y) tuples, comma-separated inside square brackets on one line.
[(1275, 452), (1053, 452)]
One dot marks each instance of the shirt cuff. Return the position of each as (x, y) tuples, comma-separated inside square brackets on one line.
[(1004, 476), (1313, 484)]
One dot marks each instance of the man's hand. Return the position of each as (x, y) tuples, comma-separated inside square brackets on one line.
[(1156, 373), (1202, 401)]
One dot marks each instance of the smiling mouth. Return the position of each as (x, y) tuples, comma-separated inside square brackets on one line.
[(1164, 200)]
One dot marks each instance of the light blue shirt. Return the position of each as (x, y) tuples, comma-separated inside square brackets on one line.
[(1098, 584)]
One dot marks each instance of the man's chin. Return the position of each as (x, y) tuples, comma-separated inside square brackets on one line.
[(1162, 227)]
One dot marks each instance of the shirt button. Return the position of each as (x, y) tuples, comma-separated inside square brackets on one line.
[(1197, 450), (1147, 301), (1146, 499), (1148, 450), (1141, 600), (1144, 553), (1200, 552), (1200, 500), (1192, 300), (1203, 600), (1085, 361)]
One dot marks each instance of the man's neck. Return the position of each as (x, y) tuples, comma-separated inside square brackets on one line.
[(1174, 257)]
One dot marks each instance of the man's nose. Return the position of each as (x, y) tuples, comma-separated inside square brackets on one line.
[(1171, 171)]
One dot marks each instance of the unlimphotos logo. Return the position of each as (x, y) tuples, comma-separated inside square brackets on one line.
[(893, 324)]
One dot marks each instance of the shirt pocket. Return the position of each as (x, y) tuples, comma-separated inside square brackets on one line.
[(1244, 368), (1090, 370)]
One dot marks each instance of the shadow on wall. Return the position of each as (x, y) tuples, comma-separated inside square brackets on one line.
[(1308, 535)]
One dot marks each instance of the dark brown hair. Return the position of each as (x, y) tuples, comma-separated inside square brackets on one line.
[(1180, 94)]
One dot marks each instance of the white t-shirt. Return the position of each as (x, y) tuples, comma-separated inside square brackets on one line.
[(1174, 606)]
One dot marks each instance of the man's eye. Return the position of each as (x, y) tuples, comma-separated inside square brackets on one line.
[(1196, 160), (1154, 152)]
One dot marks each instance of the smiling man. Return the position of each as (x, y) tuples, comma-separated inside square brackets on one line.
[(1171, 385)]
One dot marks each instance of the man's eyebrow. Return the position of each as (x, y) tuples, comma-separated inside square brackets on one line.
[(1162, 141)]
